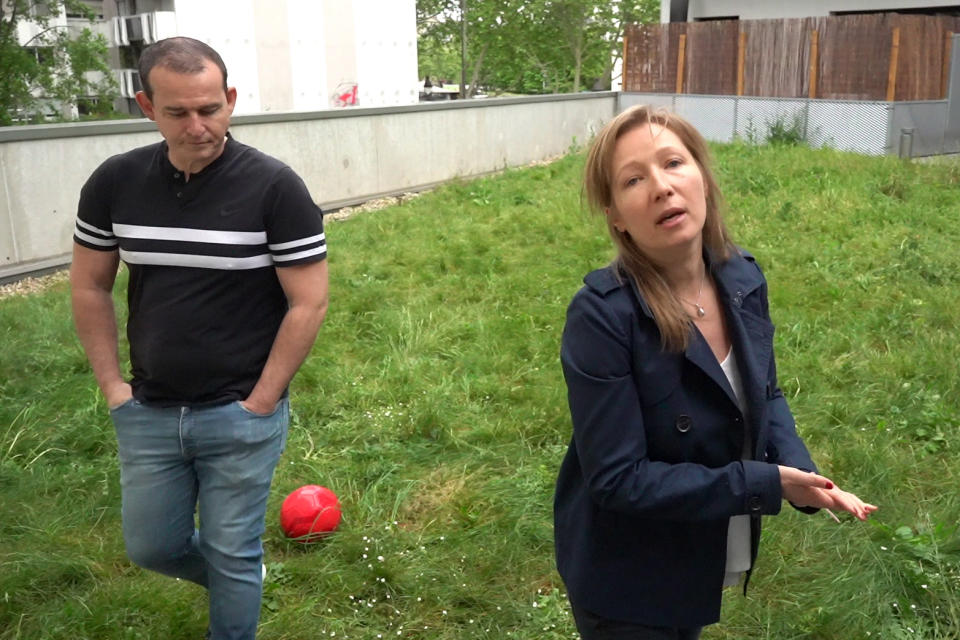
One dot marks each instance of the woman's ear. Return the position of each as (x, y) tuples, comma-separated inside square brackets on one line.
[(616, 225)]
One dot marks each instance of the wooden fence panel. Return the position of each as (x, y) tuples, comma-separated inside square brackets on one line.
[(711, 57), (920, 67), (777, 58), (854, 56), (671, 42), (644, 57), (853, 60)]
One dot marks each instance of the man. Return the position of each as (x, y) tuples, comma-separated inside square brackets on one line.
[(227, 289)]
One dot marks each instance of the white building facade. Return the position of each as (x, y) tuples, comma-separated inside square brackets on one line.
[(283, 55)]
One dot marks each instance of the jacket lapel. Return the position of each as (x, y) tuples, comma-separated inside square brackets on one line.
[(698, 352), (752, 337), (701, 356)]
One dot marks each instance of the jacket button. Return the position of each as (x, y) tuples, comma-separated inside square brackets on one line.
[(683, 423), (755, 503)]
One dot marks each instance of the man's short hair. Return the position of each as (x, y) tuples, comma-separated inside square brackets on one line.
[(180, 55)]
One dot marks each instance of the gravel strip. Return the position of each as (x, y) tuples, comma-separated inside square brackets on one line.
[(32, 285), (370, 205)]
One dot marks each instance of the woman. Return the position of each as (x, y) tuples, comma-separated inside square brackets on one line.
[(682, 439)]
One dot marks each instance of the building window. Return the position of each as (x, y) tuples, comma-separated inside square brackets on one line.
[(130, 56), (126, 7), (40, 10), (96, 8), (43, 55)]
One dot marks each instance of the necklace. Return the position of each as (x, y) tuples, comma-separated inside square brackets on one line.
[(700, 310)]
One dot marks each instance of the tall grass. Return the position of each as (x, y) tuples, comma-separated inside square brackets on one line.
[(433, 405)]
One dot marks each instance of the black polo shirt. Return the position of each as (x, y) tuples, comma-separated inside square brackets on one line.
[(204, 300)]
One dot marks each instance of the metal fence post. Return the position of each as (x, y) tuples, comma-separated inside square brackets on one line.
[(906, 142), (736, 104)]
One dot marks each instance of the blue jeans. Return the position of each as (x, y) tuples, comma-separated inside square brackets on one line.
[(217, 461)]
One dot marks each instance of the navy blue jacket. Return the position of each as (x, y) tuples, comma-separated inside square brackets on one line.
[(654, 469)]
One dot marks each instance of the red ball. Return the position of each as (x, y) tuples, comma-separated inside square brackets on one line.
[(309, 513)]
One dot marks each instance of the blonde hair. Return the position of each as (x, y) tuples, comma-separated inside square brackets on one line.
[(672, 320)]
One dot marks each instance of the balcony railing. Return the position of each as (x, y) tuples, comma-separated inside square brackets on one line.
[(129, 81), (144, 27)]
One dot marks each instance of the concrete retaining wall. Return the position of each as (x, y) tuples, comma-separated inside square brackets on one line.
[(344, 156)]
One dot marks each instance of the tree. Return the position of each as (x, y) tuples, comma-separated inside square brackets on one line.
[(440, 24), (529, 46), (438, 45), (59, 69)]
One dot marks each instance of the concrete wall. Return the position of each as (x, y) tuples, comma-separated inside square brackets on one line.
[(759, 9), (345, 156), (849, 125)]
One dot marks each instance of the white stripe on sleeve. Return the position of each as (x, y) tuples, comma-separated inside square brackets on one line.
[(109, 242), (297, 243), (90, 227), (302, 254)]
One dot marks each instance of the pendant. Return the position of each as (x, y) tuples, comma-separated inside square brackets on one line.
[(700, 311)]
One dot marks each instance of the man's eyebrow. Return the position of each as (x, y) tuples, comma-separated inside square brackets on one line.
[(203, 107)]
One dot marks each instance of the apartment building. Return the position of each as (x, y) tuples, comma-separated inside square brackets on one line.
[(282, 55), (31, 35)]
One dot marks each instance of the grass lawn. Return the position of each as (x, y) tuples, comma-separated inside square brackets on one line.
[(434, 406)]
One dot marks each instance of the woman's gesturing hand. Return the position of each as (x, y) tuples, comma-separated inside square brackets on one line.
[(811, 490)]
